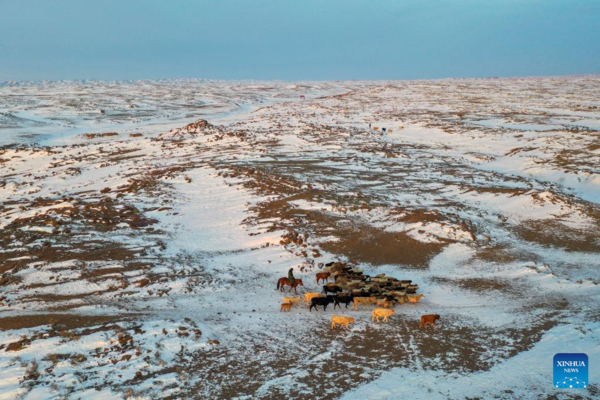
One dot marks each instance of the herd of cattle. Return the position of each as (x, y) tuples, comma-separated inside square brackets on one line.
[(353, 286)]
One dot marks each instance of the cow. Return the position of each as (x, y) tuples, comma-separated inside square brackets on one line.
[(428, 320), (320, 301), (414, 298), (331, 289), (386, 303), (341, 321), (323, 276), (382, 312), (308, 297), (345, 299), (365, 301), (293, 300)]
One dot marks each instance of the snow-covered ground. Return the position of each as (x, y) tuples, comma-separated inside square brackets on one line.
[(145, 266)]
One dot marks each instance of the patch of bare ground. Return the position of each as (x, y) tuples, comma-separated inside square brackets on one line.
[(356, 240), (76, 231), (497, 190), (484, 285), (501, 253), (123, 154), (364, 243), (68, 227), (66, 321), (349, 359), (553, 233)]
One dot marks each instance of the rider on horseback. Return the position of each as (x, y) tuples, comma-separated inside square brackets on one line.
[(291, 278)]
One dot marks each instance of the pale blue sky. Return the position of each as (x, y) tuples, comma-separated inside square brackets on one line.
[(297, 40)]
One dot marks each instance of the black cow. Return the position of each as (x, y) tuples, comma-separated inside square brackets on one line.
[(345, 299), (331, 289), (321, 301)]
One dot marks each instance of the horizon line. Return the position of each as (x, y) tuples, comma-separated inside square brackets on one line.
[(33, 82)]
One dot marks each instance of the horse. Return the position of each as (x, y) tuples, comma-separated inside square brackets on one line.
[(323, 276), (284, 281)]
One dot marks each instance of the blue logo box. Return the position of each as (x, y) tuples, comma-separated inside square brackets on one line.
[(571, 371)]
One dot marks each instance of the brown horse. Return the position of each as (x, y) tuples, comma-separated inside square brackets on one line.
[(323, 276), (284, 281)]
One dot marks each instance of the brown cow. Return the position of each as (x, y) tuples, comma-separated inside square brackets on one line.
[(414, 298), (309, 296), (292, 300), (323, 276), (428, 319), (382, 312), (341, 321), (365, 301), (385, 303)]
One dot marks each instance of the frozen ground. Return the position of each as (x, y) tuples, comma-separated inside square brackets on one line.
[(145, 266), (53, 113)]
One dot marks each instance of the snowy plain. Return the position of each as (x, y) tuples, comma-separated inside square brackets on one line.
[(145, 266)]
